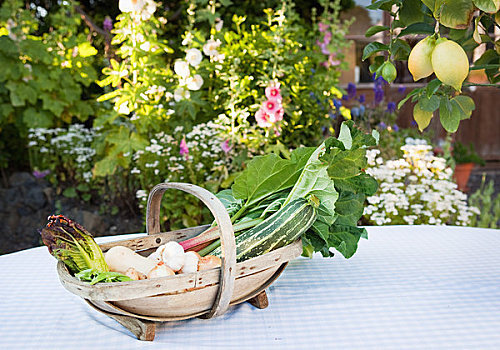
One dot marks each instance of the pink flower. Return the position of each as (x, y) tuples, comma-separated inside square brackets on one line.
[(184, 150), (322, 27), (273, 92), (327, 38), (271, 106), (279, 114), (262, 118), (225, 146)]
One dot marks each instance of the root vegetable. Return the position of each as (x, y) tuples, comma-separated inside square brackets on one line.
[(134, 274), (120, 259), (209, 262)]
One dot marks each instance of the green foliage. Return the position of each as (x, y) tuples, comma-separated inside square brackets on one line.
[(452, 19), (484, 198), (462, 154), (43, 76)]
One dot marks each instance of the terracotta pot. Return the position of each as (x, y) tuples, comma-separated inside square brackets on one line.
[(462, 174)]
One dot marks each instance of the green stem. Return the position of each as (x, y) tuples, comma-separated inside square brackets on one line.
[(477, 84)]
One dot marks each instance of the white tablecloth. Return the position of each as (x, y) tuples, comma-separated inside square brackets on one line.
[(420, 287)]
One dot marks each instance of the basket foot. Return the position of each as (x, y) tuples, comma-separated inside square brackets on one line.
[(142, 329), (260, 301)]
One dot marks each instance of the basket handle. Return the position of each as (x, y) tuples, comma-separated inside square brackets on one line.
[(228, 245)]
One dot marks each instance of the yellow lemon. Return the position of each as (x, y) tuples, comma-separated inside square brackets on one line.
[(450, 63), (419, 61)]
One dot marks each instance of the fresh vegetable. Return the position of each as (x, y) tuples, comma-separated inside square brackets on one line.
[(172, 254), (92, 276), (280, 229), (72, 244), (191, 260), (120, 259), (160, 270), (333, 173), (209, 262)]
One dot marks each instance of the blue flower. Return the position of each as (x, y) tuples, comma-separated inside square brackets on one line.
[(355, 112), (402, 89), (362, 98), (395, 127), (379, 95), (337, 103), (345, 98), (382, 125), (351, 90), (362, 110), (413, 123), (391, 107)]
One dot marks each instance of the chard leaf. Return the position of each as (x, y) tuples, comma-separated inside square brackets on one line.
[(349, 208), (231, 204), (345, 238), (269, 174), (363, 183)]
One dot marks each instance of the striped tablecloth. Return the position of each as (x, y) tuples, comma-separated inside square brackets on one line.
[(407, 287)]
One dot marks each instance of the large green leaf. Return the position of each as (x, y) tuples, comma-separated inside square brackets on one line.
[(489, 6), (345, 238), (373, 48), (421, 116), (349, 208), (452, 13), (268, 174), (465, 104), (449, 114), (411, 12)]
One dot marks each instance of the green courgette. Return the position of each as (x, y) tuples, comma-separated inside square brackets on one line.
[(279, 230)]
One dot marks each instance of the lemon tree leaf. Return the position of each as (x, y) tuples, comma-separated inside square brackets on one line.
[(429, 104), (373, 48), (455, 14), (422, 117), (375, 29), (489, 6), (411, 12), (449, 115), (465, 104)]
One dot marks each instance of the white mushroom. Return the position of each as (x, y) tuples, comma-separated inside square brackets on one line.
[(190, 262), (173, 255), (160, 270)]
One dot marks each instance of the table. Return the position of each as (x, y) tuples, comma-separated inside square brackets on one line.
[(407, 287)]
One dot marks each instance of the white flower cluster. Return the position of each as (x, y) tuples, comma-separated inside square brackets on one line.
[(416, 189), (163, 159), (140, 9), (73, 144)]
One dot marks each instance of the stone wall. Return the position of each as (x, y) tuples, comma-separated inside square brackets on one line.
[(27, 202)]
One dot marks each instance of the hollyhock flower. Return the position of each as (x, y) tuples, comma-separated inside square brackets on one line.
[(211, 46), (218, 24), (181, 68), (262, 118), (271, 107), (273, 92), (195, 82), (181, 94), (184, 150), (131, 5), (193, 57), (225, 147), (327, 38), (322, 27), (107, 25)]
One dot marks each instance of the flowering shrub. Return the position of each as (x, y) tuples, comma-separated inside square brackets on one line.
[(43, 73), (201, 157), (416, 189), (64, 155)]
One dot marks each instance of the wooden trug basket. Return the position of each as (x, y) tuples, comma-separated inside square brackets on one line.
[(138, 305)]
